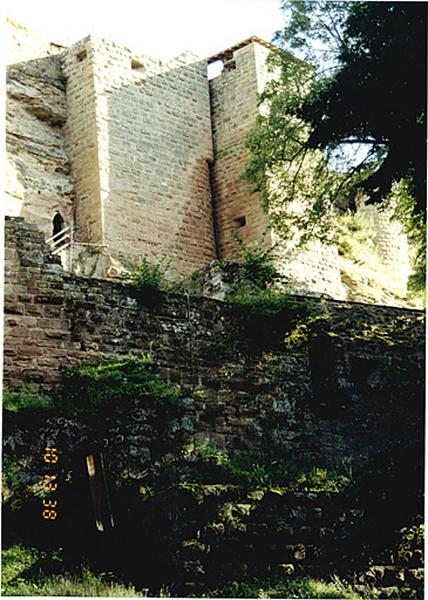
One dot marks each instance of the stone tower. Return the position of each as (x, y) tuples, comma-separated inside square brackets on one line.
[(234, 109), (139, 137)]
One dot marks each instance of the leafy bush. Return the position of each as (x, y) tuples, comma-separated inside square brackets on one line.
[(101, 390), (353, 231), (256, 266), (265, 302), (25, 399), (150, 278), (9, 480), (414, 225), (411, 538), (256, 274), (16, 560), (305, 328)]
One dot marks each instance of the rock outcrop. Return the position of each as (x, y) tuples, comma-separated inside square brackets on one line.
[(39, 181)]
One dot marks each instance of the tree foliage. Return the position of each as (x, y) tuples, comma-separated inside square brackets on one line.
[(349, 115), (377, 95)]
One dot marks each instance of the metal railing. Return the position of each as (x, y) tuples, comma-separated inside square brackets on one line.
[(61, 240)]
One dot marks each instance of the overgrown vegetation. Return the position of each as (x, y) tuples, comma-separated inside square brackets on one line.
[(318, 143), (102, 393), (104, 390), (414, 224), (307, 326), (353, 231), (286, 587), (266, 302), (260, 469), (17, 560), (256, 278), (151, 279), (13, 491), (257, 268), (411, 538), (25, 398)]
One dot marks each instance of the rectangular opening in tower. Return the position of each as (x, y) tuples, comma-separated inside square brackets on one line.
[(81, 55)]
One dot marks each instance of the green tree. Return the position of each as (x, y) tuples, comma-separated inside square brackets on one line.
[(349, 116)]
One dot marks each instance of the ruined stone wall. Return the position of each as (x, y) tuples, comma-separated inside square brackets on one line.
[(391, 244), (39, 181), (347, 394), (24, 45), (146, 159), (310, 270), (233, 111)]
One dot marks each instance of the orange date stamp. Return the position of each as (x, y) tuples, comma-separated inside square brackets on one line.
[(50, 484)]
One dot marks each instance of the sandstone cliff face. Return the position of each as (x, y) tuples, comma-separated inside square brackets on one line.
[(38, 174)]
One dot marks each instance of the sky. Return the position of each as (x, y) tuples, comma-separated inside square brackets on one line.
[(163, 28)]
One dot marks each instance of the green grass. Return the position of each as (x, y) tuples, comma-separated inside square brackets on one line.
[(105, 388), (25, 399), (17, 559), (266, 302), (87, 584), (262, 471), (300, 587)]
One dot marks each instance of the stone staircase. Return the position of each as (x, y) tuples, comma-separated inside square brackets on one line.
[(222, 533)]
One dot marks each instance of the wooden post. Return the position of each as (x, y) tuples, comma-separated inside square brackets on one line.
[(100, 497)]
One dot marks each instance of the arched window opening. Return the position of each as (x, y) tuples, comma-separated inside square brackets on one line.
[(58, 224)]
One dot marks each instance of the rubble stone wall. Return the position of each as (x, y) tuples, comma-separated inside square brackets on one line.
[(344, 395), (391, 243)]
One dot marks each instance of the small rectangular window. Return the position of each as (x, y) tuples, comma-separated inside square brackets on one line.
[(81, 55), (136, 64), (229, 65), (240, 222)]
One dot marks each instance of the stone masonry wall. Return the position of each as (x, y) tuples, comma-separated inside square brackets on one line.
[(24, 45), (147, 124), (390, 242), (345, 395), (234, 106), (234, 110), (82, 132), (145, 158), (310, 270)]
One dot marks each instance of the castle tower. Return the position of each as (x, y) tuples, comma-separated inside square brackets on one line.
[(234, 107), (139, 134)]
